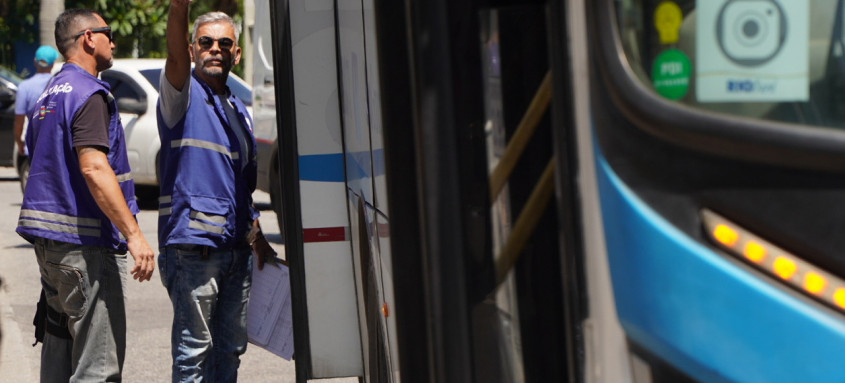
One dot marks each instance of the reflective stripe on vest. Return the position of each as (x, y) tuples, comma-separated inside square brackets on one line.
[(216, 219), (60, 218), (123, 177), (165, 200), (59, 223), (204, 145), (206, 227)]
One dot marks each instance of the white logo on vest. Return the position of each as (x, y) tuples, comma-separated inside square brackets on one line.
[(56, 89)]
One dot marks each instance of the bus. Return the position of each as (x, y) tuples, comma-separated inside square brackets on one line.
[(560, 190)]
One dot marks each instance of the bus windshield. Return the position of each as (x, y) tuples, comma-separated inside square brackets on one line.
[(774, 60)]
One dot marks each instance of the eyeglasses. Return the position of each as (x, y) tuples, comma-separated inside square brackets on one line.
[(206, 42), (104, 30)]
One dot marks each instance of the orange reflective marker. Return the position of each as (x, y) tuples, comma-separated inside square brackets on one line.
[(725, 235), (384, 310), (784, 268), (814, 283), (754, 252), (839, 297)]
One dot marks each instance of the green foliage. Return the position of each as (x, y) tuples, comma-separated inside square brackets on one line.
[(140, 25)]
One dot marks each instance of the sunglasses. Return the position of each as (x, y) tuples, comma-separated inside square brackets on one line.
[(104, 30), (206, 42)]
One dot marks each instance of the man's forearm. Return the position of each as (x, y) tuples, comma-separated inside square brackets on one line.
[(177, 68), (19, 121), (103, 185)]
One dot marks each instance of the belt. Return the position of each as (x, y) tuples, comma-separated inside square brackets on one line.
[(205, 250)]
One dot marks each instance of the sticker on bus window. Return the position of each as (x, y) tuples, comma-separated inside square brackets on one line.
[(667, 21), (670, 74), (752, 50)]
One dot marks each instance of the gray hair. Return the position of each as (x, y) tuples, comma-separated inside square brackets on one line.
[(213, 17)]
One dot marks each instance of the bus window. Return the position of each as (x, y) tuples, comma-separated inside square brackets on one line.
[(762, 59)]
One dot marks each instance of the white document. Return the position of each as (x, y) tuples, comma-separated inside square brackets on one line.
[(268, 315)]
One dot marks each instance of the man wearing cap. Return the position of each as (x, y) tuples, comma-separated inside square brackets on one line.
[(31, 88)]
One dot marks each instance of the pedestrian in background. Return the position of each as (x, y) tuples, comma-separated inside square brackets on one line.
[(78, 207), (207, 222), (30, 89)]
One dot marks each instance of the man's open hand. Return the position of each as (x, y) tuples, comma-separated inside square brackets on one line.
[(144, 259)]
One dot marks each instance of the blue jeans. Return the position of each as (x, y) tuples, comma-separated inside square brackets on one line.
[(209, 296), (86, 283)]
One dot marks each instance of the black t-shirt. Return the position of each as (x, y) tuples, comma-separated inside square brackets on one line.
[(90, 125)]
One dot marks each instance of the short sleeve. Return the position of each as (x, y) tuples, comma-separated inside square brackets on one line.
[(172, 102), (90, 125), (21, 101)]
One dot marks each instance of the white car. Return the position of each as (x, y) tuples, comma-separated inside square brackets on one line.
[(134, 84)]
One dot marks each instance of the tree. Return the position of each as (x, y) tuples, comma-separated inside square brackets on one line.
[(138, 25), (50, 10)]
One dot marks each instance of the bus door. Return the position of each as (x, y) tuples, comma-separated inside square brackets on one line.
[(333, 186), (479, 296), (316, 221), (358, 84), (391, 117)]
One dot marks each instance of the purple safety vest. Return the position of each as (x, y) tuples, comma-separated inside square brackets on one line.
[(206, 190), (57, 203)]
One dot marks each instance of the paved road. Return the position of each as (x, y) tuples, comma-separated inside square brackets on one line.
[(148, 307)]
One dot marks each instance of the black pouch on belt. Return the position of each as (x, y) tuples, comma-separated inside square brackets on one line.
[(48, 320)]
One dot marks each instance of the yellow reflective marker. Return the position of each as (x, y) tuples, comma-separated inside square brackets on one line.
[(839, 297), (667, 20), (754, 252), (814, 283), (784, 267), (725, 235)]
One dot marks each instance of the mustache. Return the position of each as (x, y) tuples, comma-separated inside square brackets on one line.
[(211, 58)]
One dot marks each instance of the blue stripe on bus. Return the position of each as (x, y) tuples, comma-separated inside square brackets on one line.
[(321, 167), (378, 162), (329, 167), (704, 314), (358, 165)]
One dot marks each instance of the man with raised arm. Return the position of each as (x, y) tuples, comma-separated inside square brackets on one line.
[(79, 209), (207, 223)]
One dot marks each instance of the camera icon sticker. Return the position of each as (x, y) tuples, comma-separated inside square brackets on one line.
[(751, 32), (751, 50)]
